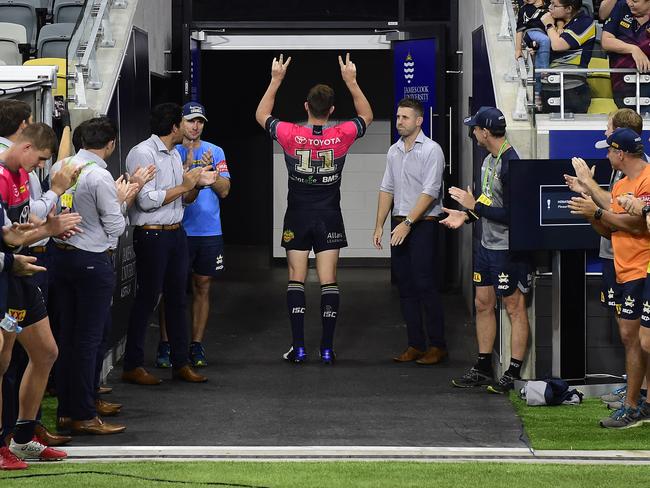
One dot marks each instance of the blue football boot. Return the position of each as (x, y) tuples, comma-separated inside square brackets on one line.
[(327, 356), (295, 355)]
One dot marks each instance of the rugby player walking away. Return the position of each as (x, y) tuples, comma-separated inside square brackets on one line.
[(315, 156)]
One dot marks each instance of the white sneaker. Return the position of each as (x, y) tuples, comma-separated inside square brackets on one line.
[(35, 450)]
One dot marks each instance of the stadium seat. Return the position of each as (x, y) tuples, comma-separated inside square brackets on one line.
[(67, 11), (602, 106), (600, 83), (11, 37), (20, 12), (61, 83), (53, 40)]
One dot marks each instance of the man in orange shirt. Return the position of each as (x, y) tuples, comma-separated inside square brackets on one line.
[(631, 243)]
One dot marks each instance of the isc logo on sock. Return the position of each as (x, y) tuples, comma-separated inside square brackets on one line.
[(328, 314), (298, 310)]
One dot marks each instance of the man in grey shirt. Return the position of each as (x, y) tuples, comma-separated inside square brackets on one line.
[(85, 278), (498, 272), (412, 185), (160, 244)]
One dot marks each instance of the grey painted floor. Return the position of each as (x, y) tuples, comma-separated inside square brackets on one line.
[(254, 398)]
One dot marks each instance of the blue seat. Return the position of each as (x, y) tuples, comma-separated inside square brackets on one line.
[(20, 12), (53, 40), (67, 11)]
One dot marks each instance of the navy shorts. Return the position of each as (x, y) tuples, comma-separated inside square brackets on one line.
[(610, 293), (645, 315), (205, 255), (319, 230), (506, 271), (629, 303), (25, 301)]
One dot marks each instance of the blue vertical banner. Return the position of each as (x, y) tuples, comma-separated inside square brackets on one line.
[(195, 71), (414, 71)]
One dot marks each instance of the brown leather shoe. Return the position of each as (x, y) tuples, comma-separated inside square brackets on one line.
[(63, 423), (49, 438), (411, 354), (96, 426), (103, 389), (433, 356), (140, 376), (107, 409), (186, 373)]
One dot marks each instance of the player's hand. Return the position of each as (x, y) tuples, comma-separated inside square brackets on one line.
[(376, 237), (24, 265), (208, 176), (279, 68), (399, 233), (65, 178), (16, 234), (348, 69), (143, 175), (464, 197), (191, 178), (64, 223), (583, 205), (206, 158), (631, 204), (455, 218)]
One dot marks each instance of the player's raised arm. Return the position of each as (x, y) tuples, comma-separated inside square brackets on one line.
[(349, 75), (265, 107)]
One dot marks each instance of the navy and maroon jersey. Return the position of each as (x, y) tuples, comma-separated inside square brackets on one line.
[(14, 194), (315, 157)]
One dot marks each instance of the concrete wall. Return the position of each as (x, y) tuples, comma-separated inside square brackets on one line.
[(155, 17)]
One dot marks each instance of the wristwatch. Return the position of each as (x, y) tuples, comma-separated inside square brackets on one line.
[(408, 222), (645, 211), (549, 25), (598, 213)]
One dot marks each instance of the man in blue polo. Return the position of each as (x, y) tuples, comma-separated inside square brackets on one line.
[(202, 223)]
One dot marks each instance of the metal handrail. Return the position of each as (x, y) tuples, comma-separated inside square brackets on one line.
[(562, 71)]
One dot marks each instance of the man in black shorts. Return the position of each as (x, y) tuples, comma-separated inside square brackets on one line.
[(314, 155)]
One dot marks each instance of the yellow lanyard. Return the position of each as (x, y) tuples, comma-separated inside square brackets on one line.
[(492, 171)]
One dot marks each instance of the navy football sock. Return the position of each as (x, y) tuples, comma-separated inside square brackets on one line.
[(24, 431), (296, 309), (329, 309)]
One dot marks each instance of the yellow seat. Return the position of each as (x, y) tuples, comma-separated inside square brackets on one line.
[(601, 106), (61, 82), (599, 83)]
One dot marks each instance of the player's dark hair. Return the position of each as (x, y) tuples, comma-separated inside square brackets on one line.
[(40, 135), (77, 133), (12, 114), (412, 103), (98, 132), (319, 100), (164, 117)]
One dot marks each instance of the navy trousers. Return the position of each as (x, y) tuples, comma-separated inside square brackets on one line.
[(414, 266), (86, 281), (162, 264)]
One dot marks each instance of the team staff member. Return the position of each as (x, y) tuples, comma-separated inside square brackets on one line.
[(202, 223), (315, 156), (160, 243), (497, 270), (15, 115), (631, 244), (35, 144), (412, 186), (85, 276), (584, 183)]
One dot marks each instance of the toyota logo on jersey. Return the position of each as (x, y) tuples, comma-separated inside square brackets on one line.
[(301, 140)]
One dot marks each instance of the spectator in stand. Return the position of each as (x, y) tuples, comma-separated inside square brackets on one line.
[(572, 32), (606, 7), (530, 30), (625, 38)]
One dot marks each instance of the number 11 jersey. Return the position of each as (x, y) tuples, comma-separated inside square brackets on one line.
[(315, 157)]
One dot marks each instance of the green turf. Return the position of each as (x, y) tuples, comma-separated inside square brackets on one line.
[(576, 427), (326, 475), (48, 412)]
